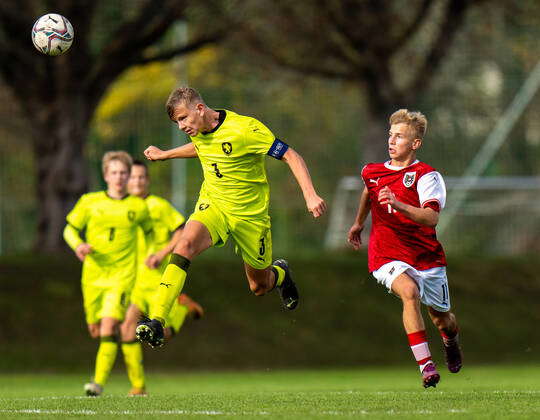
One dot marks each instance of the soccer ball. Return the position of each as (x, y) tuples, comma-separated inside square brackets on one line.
[(52, 34)]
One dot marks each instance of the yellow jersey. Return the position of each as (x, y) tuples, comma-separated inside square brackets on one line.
[(110, 227), (232, 158)]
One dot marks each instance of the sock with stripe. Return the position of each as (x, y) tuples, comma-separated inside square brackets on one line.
[(449, 339), (420, 348), (279, 274), (106, 355), (169, 288)]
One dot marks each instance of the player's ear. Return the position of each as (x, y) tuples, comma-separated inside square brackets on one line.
[(200, 108), (416, 144)]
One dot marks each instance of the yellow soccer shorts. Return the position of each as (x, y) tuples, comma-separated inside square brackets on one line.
[(252, 236), (143, 294), (106, 292)]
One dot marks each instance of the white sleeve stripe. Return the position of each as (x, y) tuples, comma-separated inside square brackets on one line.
[(431, 186)]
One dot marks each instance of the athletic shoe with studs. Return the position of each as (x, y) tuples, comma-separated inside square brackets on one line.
[(453, 354), (287, 291), (430, 376), (150, 331), (92, 389), (137, 392)]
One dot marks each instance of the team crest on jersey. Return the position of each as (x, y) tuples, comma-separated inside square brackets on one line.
[(131, 215), (227, 148), (409, 179), (203, 206)]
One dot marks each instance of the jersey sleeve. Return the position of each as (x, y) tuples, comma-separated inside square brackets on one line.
[(173, 218), (78, 216), (362, 171), (260, 140), (72, 237), (432, 190)]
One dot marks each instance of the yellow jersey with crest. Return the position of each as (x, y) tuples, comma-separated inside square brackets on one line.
[(110, 227), (232, 156)]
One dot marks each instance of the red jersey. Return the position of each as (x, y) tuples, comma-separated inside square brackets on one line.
[(393, 236)]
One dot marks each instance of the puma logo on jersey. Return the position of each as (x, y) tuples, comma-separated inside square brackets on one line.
[(375, 181), (165, 284)]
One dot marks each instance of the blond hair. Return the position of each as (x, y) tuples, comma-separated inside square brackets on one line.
[(182, 95), (119, 155), (414, 119)]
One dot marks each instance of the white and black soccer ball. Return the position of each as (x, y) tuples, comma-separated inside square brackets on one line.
[(52, 34)]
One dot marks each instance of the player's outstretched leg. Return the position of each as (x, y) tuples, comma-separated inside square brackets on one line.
[(430, 376), (92, 389), (150, 331), (285, 284)]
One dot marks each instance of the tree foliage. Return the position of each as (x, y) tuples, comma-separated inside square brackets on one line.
[(59, 95), (390, 49)]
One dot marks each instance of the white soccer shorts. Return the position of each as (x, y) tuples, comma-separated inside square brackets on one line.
[(432, 283)]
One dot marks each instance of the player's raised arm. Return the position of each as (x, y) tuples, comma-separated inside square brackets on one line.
[(354, 235), (315, 204), (185, 151)]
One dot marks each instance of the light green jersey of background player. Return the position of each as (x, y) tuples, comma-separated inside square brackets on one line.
[(232, 156), (110, 227), (165, 219)]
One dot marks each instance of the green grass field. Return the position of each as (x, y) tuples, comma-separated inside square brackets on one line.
[(475, 393)]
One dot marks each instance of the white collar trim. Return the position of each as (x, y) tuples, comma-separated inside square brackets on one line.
[(398, 168)]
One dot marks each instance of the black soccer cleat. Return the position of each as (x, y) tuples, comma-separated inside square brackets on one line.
[(150, 331), (287, 291)]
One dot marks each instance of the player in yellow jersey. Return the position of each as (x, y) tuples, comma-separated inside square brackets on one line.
[(102, 230), (168, 224), (233, 201)]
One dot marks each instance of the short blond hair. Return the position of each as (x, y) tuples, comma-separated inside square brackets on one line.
[(119, 155), (182, 95), (414, 119)]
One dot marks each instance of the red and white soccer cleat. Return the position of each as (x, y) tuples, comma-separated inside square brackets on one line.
[(430, 376)]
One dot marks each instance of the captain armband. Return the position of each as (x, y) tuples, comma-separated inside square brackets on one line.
[(278, 149)]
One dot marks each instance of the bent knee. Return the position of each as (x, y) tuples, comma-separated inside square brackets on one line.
[(410, 293), (257, 289)]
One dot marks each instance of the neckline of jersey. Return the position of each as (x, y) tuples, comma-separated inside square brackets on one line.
[(398, 168), (221, 118), (116, 199)]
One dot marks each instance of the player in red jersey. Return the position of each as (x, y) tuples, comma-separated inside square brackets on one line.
[(405, 197)]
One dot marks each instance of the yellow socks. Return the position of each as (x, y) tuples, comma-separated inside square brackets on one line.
[(177, 316), (105, 358), (170, 287), (279, 273), (133, 358)]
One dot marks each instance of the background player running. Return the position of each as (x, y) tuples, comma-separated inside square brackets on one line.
[(233, 200), (152, 251), (109, 220), (405, 197)]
